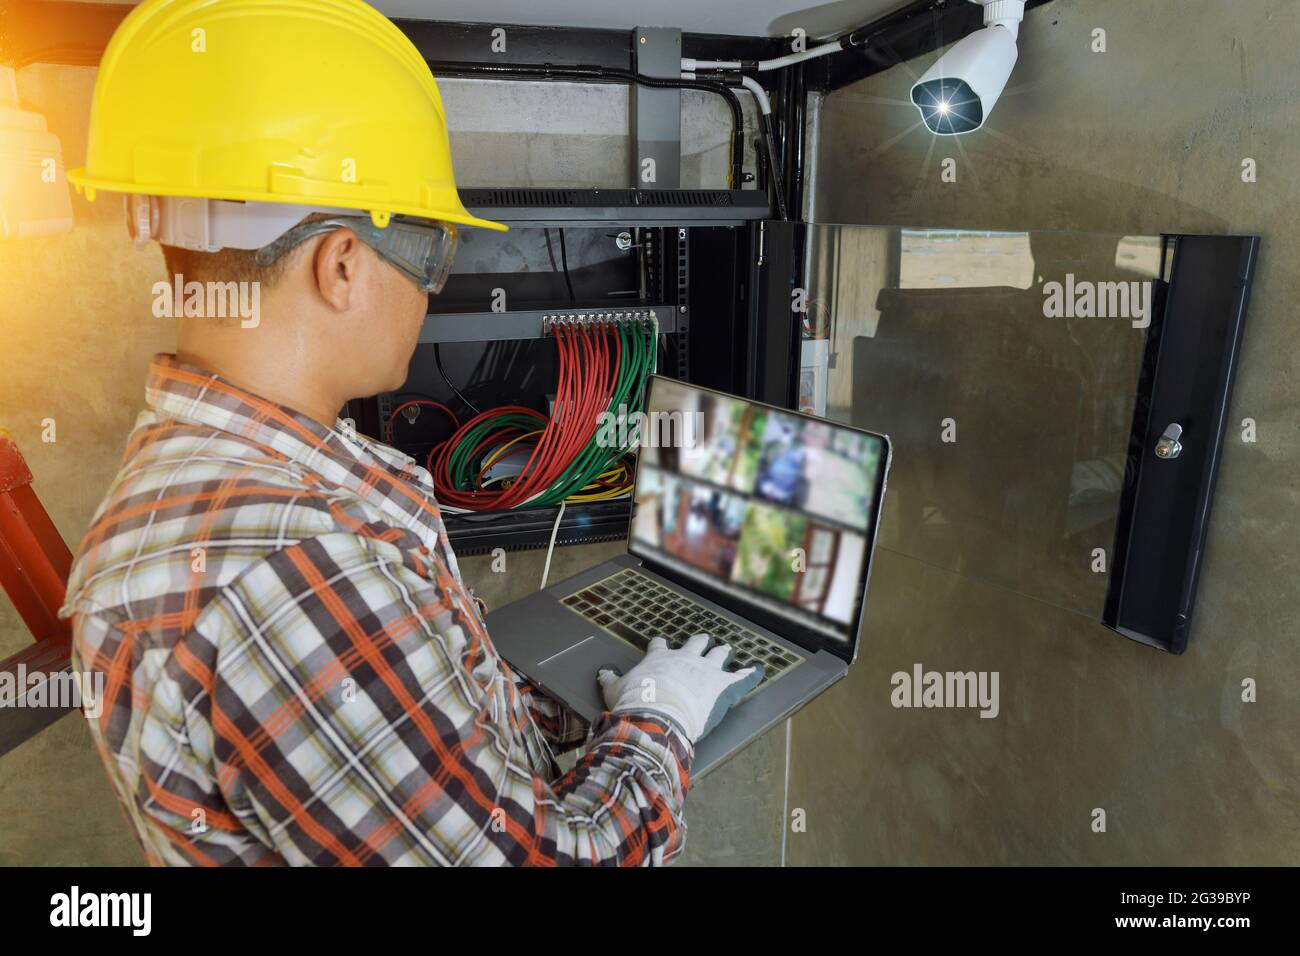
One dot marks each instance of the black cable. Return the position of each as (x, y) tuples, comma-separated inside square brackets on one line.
[(564, 259), (437, 360), (555, 266), (564, 256), (484, 357), (767, 130), (774, 165)]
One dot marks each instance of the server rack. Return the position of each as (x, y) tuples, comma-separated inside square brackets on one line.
[(707, 264)]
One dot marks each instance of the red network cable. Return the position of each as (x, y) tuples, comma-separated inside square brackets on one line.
[(586, 377), (578, 401)]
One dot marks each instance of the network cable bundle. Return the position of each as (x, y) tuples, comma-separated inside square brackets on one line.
[(512, 456)]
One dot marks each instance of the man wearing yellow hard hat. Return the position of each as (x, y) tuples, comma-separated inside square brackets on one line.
[(294, 670)]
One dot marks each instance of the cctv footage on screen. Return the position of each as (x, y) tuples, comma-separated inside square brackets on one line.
[(775, 506)]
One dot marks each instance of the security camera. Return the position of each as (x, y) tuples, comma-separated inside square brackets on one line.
[(957, 94)]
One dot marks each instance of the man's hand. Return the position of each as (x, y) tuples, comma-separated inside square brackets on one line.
[(686, 685)]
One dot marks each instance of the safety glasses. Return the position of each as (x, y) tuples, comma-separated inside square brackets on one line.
[(421, 250)]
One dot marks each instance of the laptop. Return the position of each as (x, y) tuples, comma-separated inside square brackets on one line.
[(751, 523)]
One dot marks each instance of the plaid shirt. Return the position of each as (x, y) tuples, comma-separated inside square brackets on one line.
[(295, 672)]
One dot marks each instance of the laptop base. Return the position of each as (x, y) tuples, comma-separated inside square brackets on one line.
[(561, 651)]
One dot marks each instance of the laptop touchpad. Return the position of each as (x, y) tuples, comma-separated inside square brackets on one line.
[(573, 671)]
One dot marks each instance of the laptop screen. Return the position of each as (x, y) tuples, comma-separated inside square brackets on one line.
[(776, 508)]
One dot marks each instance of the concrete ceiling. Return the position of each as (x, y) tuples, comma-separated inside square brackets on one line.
[(735, 17)]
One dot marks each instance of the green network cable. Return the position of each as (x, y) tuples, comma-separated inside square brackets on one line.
[(638, 348), (638, 359)]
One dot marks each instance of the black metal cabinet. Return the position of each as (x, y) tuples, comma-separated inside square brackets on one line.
[(713, 271)]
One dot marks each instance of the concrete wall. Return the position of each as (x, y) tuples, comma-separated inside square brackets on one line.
[(1146, 137), (78, 334)]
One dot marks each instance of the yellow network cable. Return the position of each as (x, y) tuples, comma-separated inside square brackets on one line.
[(496, 455)]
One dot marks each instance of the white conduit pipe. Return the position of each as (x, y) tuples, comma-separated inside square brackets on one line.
[(760, 95), (763, 66)]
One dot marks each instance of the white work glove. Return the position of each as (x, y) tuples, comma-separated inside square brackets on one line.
[(686, 685)]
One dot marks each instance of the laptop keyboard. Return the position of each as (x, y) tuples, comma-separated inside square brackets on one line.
[(638, 608)]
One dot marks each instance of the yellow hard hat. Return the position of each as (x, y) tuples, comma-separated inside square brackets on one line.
[(304, 102)]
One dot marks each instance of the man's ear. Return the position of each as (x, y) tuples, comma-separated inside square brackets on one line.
[(337, 265)]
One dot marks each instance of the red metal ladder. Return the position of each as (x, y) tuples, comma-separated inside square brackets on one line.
[(34, 566)]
